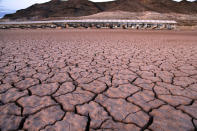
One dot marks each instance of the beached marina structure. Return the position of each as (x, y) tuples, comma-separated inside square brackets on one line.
[(92, 23)]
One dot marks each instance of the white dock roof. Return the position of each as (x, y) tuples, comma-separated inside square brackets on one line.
[(92, 21)]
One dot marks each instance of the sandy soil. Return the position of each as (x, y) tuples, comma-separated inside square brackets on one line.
[(80, 79)]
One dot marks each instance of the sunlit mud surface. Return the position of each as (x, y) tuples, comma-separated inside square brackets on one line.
[(80, 80)]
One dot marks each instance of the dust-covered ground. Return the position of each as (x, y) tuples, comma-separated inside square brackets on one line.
[(81, 80)]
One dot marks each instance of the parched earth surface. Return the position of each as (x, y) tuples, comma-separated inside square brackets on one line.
[(87, 80)]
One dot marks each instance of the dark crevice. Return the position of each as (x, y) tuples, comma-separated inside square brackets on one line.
[(150, 121), (75, 110), (87, 102), (70, 76), (28, 65), (92, 80), (105, 90), (5, 91), (155, 94), (60, 83), (40, 82), (133, 80), (95, 95), (88, 123), (1, 82), (195, 126), (29, 92), (111, 79), (61, 106), (93, 98), (16, 99), (191, 103), (184, 112), (156, 107), (13, 85), (155, 75), (19, 105), (54, 122), (99, 127), (1, 103), (21, 125), (131, 95), (109, 114), (172, 80), (55, 90), (43, 108)]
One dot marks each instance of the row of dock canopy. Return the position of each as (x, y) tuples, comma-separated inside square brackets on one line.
[(91, 21)]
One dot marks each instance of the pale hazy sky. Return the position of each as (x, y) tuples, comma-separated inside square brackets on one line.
[(10, 6)]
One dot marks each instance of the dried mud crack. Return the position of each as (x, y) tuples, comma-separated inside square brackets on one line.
[(88, 80)]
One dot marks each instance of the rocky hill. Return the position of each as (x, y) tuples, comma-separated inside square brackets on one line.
[(76, 8)]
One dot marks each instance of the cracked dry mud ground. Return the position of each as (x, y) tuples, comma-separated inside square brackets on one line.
[(80, 80)]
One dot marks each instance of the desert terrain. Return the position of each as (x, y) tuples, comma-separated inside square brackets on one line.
[(88, 80)]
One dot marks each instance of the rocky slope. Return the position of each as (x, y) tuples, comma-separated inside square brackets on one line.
[(75, 8)]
